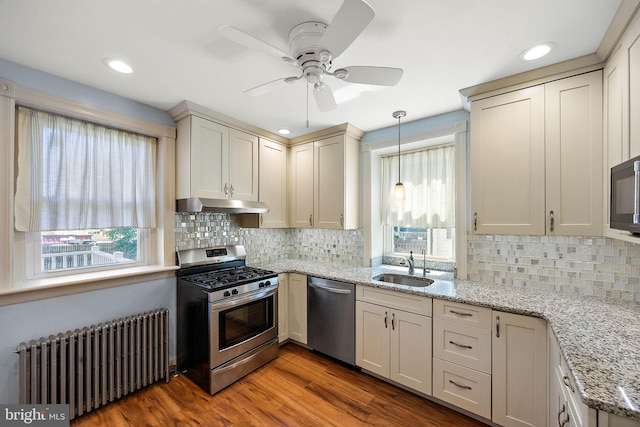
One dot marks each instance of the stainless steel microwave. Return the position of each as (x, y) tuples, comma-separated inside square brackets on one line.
[(624, 209)]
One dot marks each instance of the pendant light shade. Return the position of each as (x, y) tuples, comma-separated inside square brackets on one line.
[(398, 190)]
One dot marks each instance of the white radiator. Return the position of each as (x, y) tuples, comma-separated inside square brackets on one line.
[(93, 366)]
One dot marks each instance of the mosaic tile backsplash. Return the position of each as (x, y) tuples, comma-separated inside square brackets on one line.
[(200, 230), (596, 266)]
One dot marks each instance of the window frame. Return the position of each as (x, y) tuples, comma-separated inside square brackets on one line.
[(160, 252)]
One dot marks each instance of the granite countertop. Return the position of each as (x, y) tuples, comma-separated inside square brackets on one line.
[(600, 340)]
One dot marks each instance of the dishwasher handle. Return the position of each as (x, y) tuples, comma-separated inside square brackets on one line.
[(330, 288)]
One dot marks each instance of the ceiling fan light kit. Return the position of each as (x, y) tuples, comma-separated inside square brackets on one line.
[(313, 46)]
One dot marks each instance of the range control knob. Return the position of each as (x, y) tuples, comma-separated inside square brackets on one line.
[(226, 294), (262, 285), (267, 283), (234, 292)]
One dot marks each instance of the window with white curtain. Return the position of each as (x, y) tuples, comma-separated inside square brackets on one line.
[(425, 219), (85, 193)]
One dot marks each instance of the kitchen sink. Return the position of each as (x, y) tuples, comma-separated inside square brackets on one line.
[(401, 279)]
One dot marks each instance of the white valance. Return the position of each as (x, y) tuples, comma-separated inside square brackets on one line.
[(429, 180), (75, 175)]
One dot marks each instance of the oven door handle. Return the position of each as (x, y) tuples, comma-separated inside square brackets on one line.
[(243, 299), (330, 289)]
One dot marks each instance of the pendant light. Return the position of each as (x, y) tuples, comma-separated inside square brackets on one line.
[(398, 190)]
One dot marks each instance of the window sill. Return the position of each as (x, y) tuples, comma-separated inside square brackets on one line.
[(33, 290)]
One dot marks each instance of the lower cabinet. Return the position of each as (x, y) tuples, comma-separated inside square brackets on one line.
[(393, 336), (283, 307), (462, 356), (519, 370), (297, 305)]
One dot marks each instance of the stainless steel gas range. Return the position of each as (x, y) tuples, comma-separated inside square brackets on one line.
[(227, 316)]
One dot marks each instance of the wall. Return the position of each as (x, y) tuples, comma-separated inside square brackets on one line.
[(597, 266), (32, 320), (198, 230)]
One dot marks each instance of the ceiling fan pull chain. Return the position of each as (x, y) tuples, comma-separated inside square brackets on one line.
[(307, 104)]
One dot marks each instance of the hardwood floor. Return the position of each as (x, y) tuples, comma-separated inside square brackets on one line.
[(298, 388)]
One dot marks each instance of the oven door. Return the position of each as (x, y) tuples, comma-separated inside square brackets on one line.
[(240, 324)]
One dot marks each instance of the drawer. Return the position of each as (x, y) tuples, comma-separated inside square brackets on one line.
[(479, 317), (462, 344), (579, 411), (463, 387), (407, 302)]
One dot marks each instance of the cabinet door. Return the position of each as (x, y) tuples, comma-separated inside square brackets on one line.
[(507, 163), (574, 166), (410, 350), (273, 183), (243, 166), (519, 368), (209, 159), (634, 92), (329, 183), (372, 337), (298, 307), (283, 307), (302, 186)]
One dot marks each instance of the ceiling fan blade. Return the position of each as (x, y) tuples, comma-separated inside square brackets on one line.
[(267, 87), (349, 22), (381, 76), (247, 40), (324, 97)]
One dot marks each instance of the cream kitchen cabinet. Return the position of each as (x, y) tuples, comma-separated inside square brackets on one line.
[(324, 183), (393, 336), (297, 305), (301, 194), (273, 183), (536, 158), (519, 370), (462, 356), (215, 161), (283, 307)]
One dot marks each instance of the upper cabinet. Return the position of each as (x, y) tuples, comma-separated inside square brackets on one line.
[(324, 189), (536, 158), (214, 161), (273, 183)]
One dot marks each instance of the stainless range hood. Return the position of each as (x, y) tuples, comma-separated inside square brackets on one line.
[(195, 204)]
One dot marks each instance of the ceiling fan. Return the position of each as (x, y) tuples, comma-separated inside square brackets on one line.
[(313, 46)]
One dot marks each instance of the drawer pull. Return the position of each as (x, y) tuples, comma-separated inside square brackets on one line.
[(460, 313), (466, 387), (460, 345), (562, 410), (385, 320), (567, 382)]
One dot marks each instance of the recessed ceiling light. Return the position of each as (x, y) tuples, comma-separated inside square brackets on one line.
[(117, 65), (537, 51), (284, 131)]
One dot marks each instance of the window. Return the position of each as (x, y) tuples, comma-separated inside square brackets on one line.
[(85, 194), (425, 220)]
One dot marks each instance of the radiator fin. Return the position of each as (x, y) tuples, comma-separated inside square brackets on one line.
[(95, 365)]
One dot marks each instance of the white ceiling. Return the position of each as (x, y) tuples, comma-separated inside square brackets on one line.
[(177, 54)]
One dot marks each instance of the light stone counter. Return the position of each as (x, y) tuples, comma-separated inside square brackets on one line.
[(600, 340)]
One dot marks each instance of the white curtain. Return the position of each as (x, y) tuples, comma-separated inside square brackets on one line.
[(429, 180), (75, 175)]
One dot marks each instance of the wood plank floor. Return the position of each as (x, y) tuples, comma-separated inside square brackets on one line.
[(299, 388)]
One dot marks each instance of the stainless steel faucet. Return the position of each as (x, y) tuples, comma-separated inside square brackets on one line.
[(424, 263), (411, 262)]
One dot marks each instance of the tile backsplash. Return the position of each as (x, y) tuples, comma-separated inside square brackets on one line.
[(199, 230), (596, 266)]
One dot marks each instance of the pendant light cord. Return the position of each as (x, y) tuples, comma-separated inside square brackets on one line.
[(307, 104)]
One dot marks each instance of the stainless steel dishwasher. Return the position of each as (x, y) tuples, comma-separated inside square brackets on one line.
[(331, 318)]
